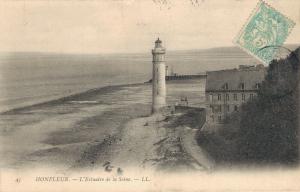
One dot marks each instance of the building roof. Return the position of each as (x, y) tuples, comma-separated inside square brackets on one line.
[(234, 79)]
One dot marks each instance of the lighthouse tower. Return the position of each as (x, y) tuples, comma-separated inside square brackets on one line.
[(158, 77)]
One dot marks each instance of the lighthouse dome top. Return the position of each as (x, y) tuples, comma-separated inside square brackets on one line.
[(158, 48), (158, 43)]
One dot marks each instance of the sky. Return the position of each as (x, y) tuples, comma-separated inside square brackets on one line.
[(128, 26)]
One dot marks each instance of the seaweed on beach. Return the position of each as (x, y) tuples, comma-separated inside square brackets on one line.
[(191, 117)]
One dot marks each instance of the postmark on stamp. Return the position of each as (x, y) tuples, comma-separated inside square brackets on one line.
[(266, 28)]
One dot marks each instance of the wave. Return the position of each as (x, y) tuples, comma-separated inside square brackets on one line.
[(84, 102)]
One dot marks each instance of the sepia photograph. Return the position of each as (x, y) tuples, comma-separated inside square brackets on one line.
[(149, 95)]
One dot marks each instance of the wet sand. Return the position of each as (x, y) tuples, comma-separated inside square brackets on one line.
[(84, 131)]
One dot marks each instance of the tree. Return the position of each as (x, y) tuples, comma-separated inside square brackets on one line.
[(268, 128)]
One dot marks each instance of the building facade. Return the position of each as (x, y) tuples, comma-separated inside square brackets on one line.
[(227, 90), (158, 77)]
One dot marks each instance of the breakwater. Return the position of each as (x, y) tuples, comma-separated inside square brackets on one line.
[(182, 77)]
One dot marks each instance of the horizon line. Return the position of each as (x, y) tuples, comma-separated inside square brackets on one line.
[(112, 53)]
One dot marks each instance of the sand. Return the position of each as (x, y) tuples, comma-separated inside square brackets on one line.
[(107, 125)]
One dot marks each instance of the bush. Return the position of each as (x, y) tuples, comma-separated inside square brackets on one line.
[(268, 128)]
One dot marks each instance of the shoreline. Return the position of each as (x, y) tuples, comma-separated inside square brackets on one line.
[(58, 133), (84, 130), (79, 95), (85, 94)]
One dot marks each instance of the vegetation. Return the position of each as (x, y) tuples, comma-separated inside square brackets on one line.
[(266, 130)]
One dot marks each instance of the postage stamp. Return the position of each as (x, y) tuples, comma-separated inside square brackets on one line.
[(265, 30)]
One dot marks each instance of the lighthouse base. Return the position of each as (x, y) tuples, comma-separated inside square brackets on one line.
[(158, 104), (156, 109)]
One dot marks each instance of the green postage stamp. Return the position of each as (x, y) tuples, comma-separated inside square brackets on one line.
[(265, 30)]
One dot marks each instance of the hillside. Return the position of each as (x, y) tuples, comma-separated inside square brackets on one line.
[(265, 131)]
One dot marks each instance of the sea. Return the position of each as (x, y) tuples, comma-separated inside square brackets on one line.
[(28, 78)]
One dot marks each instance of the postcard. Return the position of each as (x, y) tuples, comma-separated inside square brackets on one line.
[(149, 95)]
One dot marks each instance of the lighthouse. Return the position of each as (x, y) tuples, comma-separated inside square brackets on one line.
[(158, 77)]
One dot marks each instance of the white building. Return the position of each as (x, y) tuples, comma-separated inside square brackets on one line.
[(158, 77)]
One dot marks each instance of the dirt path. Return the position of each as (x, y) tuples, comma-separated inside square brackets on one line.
[(147, 143), (136, 143)]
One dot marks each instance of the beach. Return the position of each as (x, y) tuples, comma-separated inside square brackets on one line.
[(109, 124)]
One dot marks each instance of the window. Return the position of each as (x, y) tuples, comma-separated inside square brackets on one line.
[(226, 86), (210, 97), (243, 97), (219, 118), (235, 108), (251, 96), (235, 96), (228, 108), (257, 85), (242, 86), (219, 97), (213, 108), (220, 108), (227, 97)]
